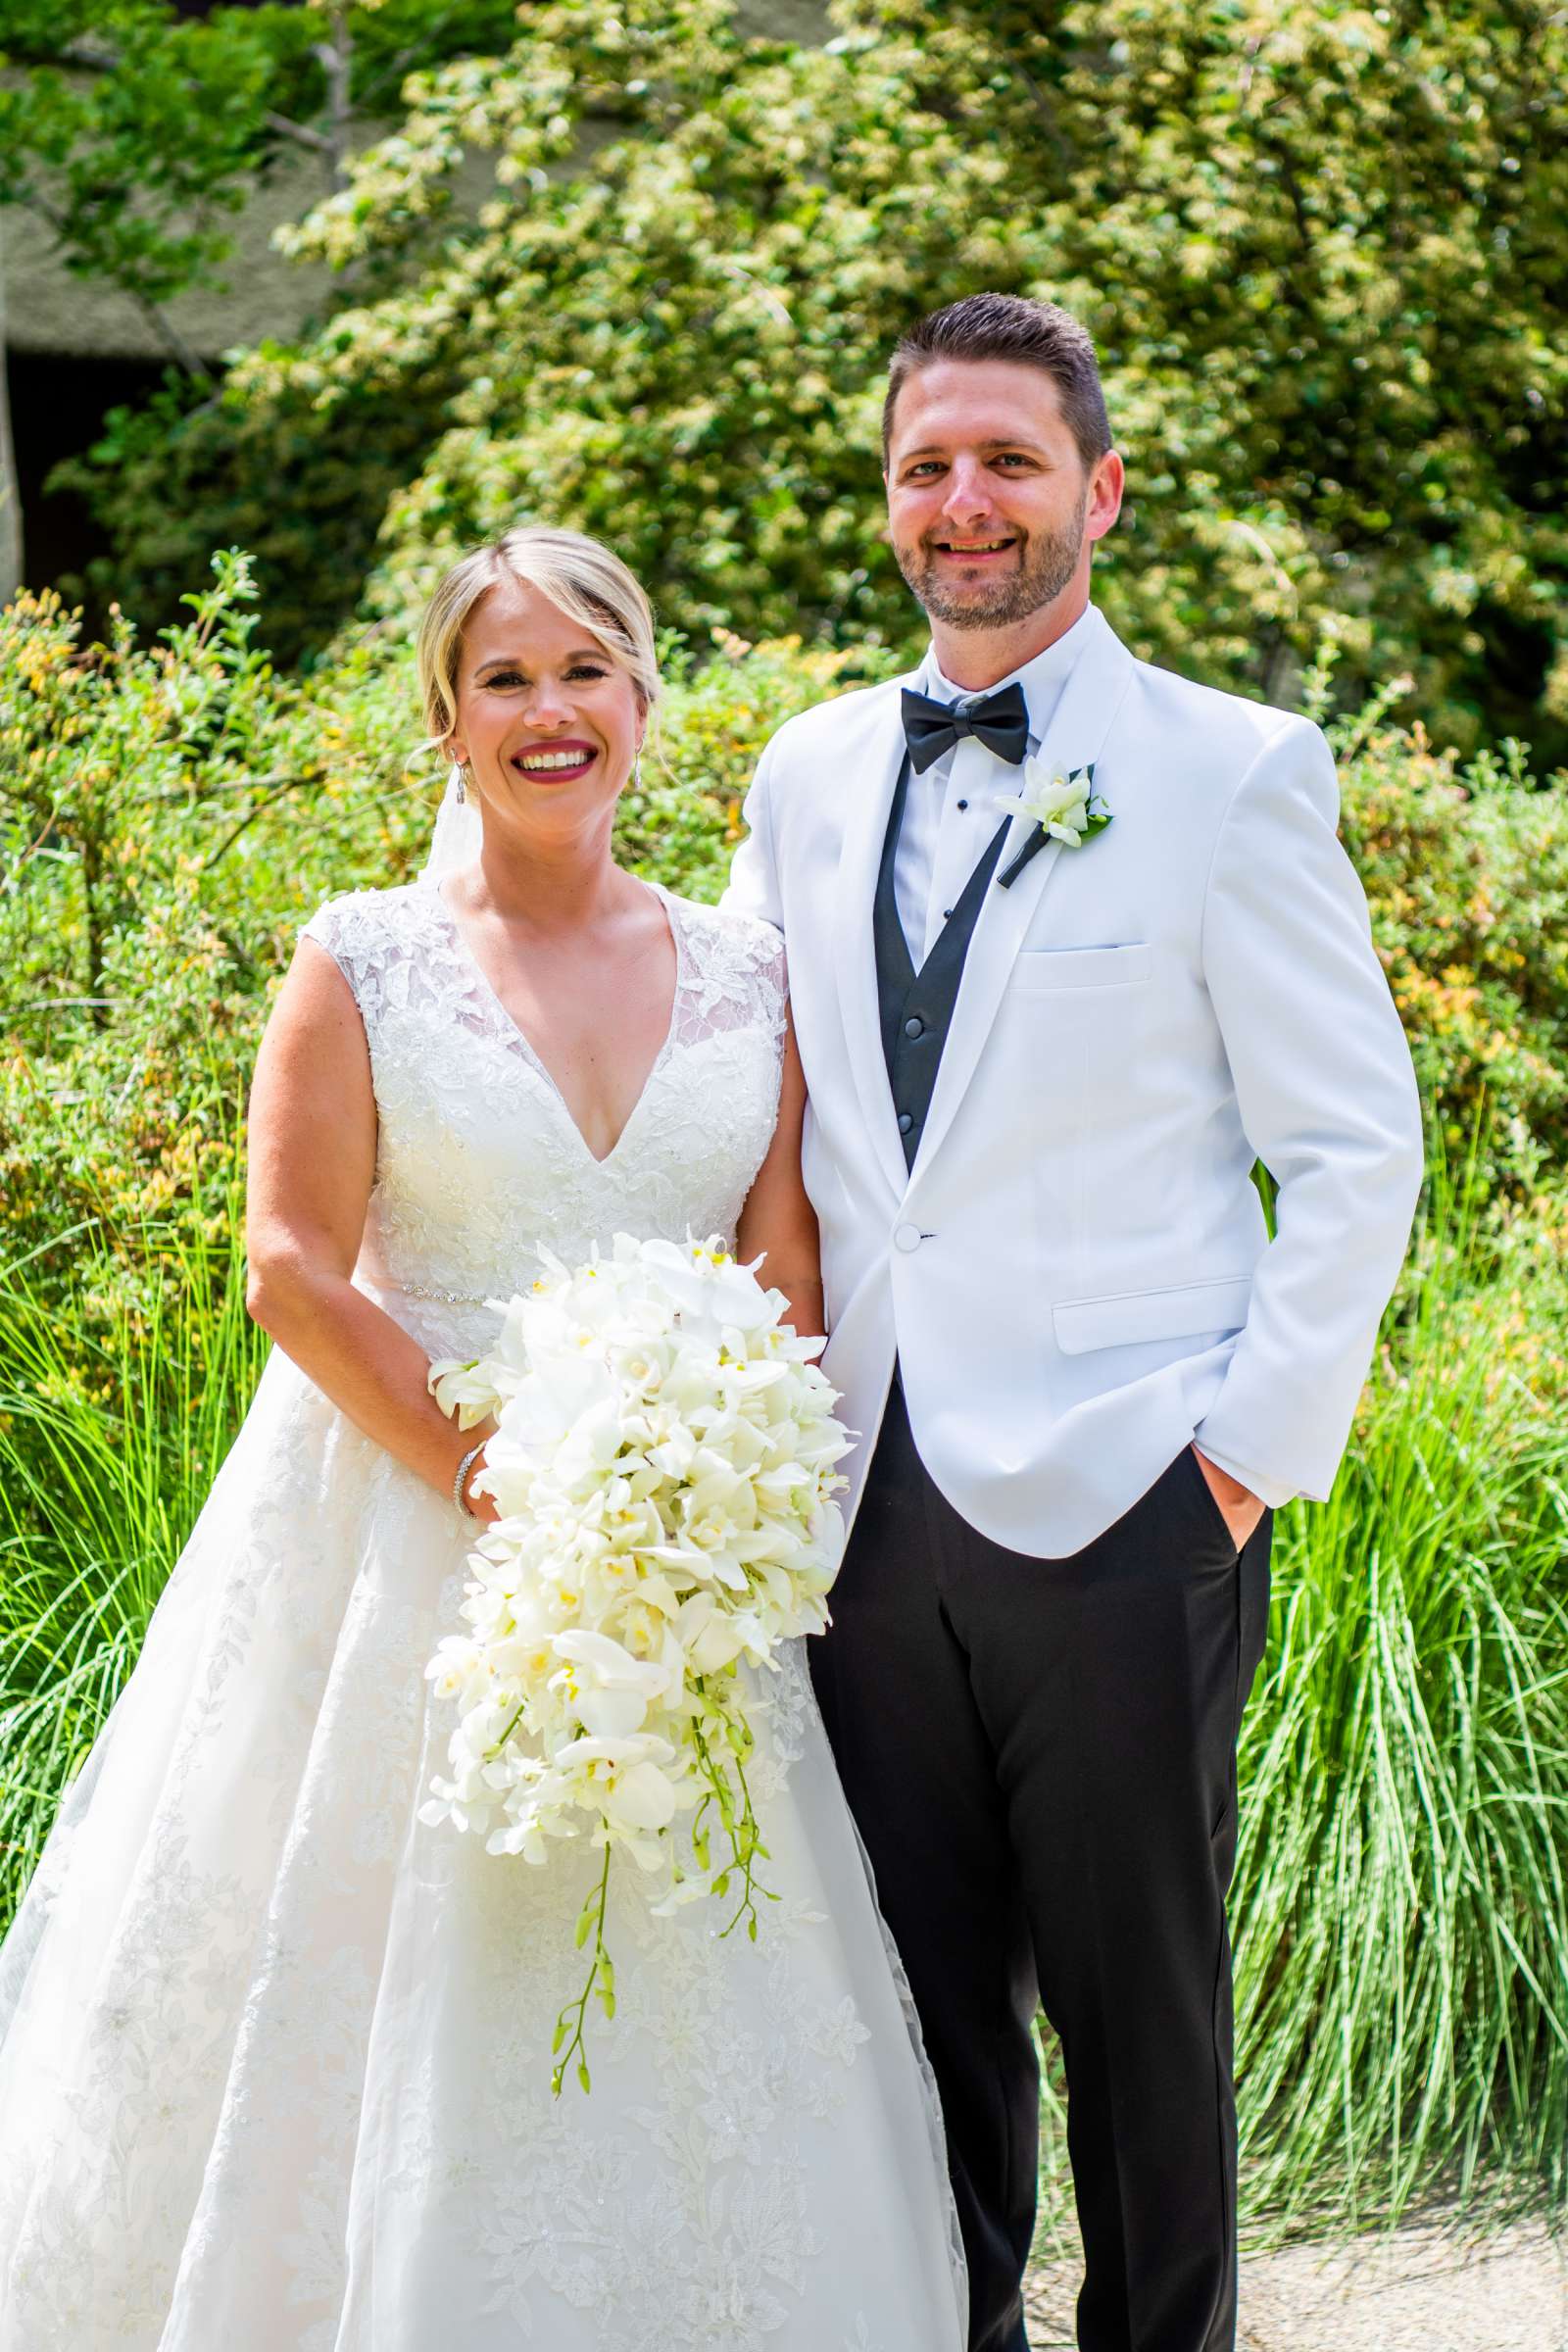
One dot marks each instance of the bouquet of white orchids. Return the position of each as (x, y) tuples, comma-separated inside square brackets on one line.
[(664, 1468)]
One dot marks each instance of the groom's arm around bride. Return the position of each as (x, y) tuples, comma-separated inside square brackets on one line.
[(1044, 1051)]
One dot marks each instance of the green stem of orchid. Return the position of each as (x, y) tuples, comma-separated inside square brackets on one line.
[(740, 1822), (570, 2023)]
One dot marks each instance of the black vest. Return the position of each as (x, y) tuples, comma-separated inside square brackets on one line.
[(917, 1006)]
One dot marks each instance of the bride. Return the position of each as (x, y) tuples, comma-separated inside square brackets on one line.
[(276, 2059)]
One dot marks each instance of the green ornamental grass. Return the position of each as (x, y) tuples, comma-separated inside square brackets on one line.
[(1399, 1913), (115, 1414)]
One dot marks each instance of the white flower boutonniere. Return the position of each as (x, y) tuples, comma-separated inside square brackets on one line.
[(1065, 809)]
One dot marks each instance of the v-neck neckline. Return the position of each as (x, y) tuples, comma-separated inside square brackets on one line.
[(535, 1059)]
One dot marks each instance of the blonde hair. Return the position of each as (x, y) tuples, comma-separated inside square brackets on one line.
[(580, 576)]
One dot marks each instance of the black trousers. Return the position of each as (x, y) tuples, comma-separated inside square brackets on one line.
[(1041, 1756)]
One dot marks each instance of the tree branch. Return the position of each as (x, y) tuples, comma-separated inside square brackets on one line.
[(298, 131), (294, 784), (162, 327), (336, 60)]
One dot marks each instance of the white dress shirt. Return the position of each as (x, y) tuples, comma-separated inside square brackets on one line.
[(951, 812)]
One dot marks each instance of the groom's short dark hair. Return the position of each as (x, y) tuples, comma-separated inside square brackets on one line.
[(1010, 326)]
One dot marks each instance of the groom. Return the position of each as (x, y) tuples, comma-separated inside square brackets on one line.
[(1042, 1063)]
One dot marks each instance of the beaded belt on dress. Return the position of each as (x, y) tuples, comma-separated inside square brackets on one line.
[(422, 1290)]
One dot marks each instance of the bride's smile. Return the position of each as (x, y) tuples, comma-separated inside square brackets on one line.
[(562, 760), (548, 725)]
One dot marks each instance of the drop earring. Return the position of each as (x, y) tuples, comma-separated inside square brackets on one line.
[(637, 767), (459, 779)]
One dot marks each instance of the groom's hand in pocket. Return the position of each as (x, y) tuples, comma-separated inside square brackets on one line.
[(1239, 1508)]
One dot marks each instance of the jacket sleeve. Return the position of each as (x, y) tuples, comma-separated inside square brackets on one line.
[(754, 871), (1327, 1098)]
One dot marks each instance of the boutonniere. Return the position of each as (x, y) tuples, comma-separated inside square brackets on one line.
[(1065, 807)]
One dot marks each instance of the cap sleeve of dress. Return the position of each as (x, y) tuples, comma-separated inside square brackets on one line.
[(353, 932)]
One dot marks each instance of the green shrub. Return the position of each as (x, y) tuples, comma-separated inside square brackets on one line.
[(170, 813), (1318, 245), (1465, 866)]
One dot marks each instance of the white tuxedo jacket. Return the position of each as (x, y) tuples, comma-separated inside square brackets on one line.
[(1076, 1276)]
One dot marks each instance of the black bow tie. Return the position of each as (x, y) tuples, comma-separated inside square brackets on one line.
[(1000, 722)]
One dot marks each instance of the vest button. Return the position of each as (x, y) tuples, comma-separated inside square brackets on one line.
[(914, 1026), (906, 1237), (905, 1121)]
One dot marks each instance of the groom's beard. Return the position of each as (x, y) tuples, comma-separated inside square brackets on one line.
[(1046, 562)]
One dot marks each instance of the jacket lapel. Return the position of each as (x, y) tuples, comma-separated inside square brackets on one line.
[(872, 763), (1077, 730)]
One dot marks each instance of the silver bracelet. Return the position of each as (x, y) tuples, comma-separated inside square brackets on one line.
[(463, 1467)]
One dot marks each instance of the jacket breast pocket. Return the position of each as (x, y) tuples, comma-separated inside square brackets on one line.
[(1039, 970), (1128, 1318)]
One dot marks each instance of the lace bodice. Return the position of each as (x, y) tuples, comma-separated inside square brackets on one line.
[(478, 1159)]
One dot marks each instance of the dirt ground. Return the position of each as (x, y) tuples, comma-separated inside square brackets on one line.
[(1428, 2287)]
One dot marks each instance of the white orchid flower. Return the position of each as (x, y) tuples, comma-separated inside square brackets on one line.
[(709, 1639), (627, 1780), (467, 1390), (611, 1689), (1061, 803)]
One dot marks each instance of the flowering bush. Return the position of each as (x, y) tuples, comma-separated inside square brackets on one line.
[(171, 813)]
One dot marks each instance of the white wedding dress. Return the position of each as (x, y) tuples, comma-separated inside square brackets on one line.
[(274, 2067)]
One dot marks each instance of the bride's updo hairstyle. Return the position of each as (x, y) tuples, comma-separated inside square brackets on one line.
[(578, 575)]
